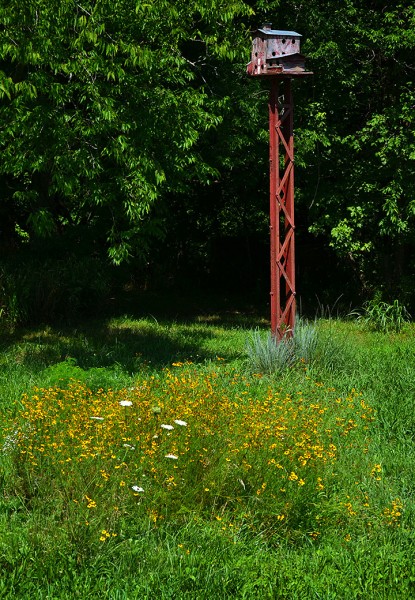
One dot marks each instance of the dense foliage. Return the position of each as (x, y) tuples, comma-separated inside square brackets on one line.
[(102, 106), (126, 123), (363, 59)]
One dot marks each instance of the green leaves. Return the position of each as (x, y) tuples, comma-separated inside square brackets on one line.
[(359, 156), (101, 110), (115, 114)]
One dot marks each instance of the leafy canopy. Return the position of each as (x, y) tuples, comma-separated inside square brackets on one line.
[(102, 105)]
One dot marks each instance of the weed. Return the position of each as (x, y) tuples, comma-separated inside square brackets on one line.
[(383, 317)]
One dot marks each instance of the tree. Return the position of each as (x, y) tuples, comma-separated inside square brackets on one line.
[(101, 108), (113, 114), (362, 171)]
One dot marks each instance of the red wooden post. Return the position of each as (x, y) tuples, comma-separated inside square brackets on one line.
[(282, 220), (274, 226), (275, 54)]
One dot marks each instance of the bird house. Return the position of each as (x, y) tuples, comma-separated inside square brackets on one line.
[(276, 52)]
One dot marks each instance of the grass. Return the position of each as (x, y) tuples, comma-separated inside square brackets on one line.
[(297, 484), (267, 355), (382, 316)]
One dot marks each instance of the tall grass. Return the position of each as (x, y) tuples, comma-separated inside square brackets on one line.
[(383, 316), (143, 459)]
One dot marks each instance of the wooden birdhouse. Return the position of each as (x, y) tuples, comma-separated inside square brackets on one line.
[(275, 52)]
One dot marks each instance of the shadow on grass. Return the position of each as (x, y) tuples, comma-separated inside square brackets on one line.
[(158, 332), (225, 309)]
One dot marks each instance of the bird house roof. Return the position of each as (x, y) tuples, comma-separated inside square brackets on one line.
[(279, 32)]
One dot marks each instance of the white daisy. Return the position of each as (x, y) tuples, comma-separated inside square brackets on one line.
[(181, 423), (125, 403), (169, 427), (172, 456), (137, 488)]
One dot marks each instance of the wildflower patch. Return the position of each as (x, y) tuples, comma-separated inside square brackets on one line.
[(191, 443)]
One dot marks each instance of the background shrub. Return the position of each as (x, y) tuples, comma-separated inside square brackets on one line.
[(36, 289)]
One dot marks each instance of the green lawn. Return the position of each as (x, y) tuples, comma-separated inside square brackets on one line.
[(145, 459)]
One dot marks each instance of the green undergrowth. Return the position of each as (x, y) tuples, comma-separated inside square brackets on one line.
[(146, 459)]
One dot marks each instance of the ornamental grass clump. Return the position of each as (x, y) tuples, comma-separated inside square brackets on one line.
[(305, 341), (271, 356), (190, 444)]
